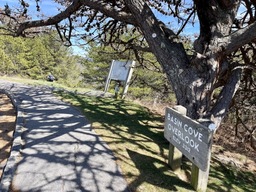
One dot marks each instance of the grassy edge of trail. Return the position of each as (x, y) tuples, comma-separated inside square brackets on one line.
[(135, 135)]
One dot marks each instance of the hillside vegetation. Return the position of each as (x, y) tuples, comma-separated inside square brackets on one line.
[(135, 135)]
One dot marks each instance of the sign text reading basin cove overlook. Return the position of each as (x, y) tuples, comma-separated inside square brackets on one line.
[(190, 137)]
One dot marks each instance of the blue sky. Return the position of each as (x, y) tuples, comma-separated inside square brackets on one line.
[(49, 8), (189, 30)]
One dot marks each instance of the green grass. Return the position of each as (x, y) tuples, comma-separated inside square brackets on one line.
[(229, 178), (136, 137), (42, 83)]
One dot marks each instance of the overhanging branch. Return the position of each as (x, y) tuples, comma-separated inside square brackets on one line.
[(238, 38), (52, 20), (110, 11), (226, 95)]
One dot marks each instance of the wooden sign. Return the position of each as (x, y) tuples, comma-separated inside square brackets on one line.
[(190, 137)]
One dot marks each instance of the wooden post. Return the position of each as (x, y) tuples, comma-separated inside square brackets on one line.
[(128, 78), (109, 77), (199, 178), (175, 156), (191, 138)]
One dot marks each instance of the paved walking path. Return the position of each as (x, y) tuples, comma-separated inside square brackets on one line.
[(55, 149)]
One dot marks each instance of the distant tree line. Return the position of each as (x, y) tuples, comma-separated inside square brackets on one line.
[(38, 57)]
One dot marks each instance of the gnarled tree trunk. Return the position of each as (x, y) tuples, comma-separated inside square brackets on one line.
[(194, 81)]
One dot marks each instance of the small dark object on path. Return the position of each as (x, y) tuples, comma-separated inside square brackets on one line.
[(50, 78)]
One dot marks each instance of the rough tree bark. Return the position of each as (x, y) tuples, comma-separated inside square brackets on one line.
[(194, 80)]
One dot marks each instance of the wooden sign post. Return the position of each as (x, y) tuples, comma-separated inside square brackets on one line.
[(175, 155), (192, 139)]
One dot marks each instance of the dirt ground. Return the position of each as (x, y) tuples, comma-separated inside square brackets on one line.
[(7, 125), (226, 148), (229, 149)]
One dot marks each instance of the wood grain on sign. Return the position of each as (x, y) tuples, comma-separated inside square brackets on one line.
[(190, 137)]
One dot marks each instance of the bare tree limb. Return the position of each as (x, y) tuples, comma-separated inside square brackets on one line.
[(226, 95), (110, 11), (184, 25), (52, 20), (239, 38), (58, 30)]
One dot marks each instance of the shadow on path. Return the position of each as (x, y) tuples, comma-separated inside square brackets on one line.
[(57, 150)]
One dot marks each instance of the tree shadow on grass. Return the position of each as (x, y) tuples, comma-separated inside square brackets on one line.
[(120, 116), (133, 127), (227, 178), (150, 173), (128, 123), (55, 148)]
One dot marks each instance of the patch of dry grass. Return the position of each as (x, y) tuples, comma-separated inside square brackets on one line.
[(7, 126)]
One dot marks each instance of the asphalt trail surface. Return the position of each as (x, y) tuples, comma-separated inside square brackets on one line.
[(55, 149)]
